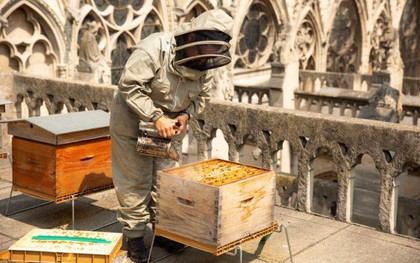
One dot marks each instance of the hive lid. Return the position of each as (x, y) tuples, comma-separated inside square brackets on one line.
[(216, 172), (62, 128), (77, 242)]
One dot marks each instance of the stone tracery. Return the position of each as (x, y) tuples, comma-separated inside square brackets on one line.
[(256, 38), (25, 45), (305, 45)]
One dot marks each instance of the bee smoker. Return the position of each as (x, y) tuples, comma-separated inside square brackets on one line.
[(151, 143)]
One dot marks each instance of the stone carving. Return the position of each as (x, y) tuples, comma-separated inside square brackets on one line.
[(91, 59), (305, 43), (283, 51), (384, 105), (344, 44), (222, 83), (384, 40)]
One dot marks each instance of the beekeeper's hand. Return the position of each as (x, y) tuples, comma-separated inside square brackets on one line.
[(183, 120), (165, 127)]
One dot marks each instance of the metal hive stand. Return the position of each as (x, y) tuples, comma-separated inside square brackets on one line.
[(72, 198), (230, 248)]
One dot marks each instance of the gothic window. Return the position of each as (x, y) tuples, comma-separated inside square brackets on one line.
[(305, 45), (256, 38), (119, 57), (120, 8), (152, 24), (28, 44), (410, 38), (345, 40)]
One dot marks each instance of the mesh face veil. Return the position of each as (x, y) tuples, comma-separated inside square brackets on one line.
[(202, 50)]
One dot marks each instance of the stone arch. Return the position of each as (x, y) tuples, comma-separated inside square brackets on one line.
[(308, 38), (406, 203), (366, 181), (194, 8), (274, 13), (89, 14), (9, 58), (121, 51), (152, 23), (324, 182), (345, 42), (42, 59)]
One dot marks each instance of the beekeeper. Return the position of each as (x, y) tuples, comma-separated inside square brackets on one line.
[(166, 79)]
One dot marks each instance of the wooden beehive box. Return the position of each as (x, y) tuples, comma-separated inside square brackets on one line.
[(59, 156), (213, 203), (66, 246)]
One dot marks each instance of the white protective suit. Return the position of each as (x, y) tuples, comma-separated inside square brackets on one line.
[(158, 80)]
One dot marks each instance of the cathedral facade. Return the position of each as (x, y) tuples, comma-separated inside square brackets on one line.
[(91, 39)]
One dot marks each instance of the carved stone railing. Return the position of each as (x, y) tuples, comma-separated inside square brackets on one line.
[(393, 147), (55, 94), (341, 99), (411, 86), (260, 91), (311, 81), (331, 98)]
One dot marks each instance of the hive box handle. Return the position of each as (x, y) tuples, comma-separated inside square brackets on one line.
[(186, 202), (247, 202), (87, 158)]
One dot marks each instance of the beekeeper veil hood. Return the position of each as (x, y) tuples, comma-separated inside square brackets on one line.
[(203, 43)]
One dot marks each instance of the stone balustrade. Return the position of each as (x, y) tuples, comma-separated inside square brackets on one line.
[(312, 81), (393, 147), (259, 91), (411, 86), (55, 95)]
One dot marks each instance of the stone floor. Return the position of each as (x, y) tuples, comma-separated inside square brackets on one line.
[(313, 238)]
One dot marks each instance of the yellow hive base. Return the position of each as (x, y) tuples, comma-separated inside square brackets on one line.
[(38, 257), (216, 250)]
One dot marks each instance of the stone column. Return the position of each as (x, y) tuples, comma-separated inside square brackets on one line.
[(345, 194), (304, 184), (386, 203), (276, 84)]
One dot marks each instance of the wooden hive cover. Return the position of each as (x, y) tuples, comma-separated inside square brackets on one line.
[(71, 243), (62, 128)]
